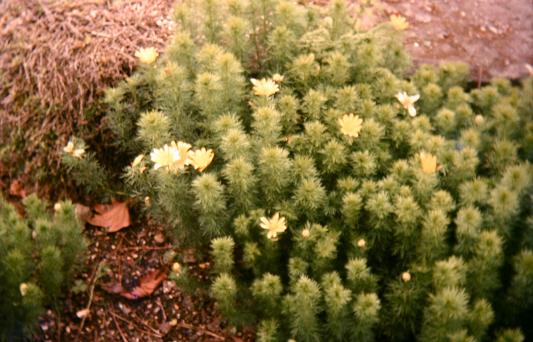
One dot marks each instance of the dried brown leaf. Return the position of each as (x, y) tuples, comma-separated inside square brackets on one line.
[(147, 285), (114, 216)]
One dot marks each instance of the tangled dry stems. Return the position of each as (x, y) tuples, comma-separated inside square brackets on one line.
[(66, 52), (56, 57)]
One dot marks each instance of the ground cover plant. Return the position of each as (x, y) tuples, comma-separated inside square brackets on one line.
[(338, 198), (39, 256)]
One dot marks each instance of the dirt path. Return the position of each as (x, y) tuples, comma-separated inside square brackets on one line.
[(494, 36)]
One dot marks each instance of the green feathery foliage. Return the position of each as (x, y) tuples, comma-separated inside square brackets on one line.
[(340, 199), (39, 256)]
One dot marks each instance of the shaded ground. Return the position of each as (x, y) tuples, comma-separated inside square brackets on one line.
[(168, 314)]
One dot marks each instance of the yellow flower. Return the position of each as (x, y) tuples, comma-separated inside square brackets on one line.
[(200, 159), (23, 288), (428, 163), (176, 268), (408, 102), (361, 243), (165, 157), (147, 55), (183, 148), (78, 153), (278, 78), (350, 125), (57, 206), (479, 119), (69, 148), (275, 225), (264, 87), (406, 276), (305, 233), (73, 151), (398, 22)]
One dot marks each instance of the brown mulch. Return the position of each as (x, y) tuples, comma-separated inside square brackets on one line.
[(168, 314)]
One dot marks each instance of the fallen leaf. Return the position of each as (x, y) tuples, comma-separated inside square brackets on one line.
[(114, 216), (146, 287), (17, 189), (83, 313)]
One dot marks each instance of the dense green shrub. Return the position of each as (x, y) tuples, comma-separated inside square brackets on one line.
[(38, 258), (342, 200)]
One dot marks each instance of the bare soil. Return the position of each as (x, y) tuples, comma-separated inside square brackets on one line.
[(494, 36), (169, 314)]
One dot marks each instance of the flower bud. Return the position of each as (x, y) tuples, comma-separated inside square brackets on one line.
[(176, 268), (23, 289)]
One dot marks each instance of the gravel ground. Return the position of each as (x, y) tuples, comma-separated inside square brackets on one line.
[(494, 36)]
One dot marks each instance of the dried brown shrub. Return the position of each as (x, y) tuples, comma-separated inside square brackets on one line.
[(56, 58)]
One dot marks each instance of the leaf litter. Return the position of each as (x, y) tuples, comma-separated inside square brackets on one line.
[(114, 216)]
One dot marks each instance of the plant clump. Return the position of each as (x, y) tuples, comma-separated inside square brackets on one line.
[(339, 199), (39, 257)]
